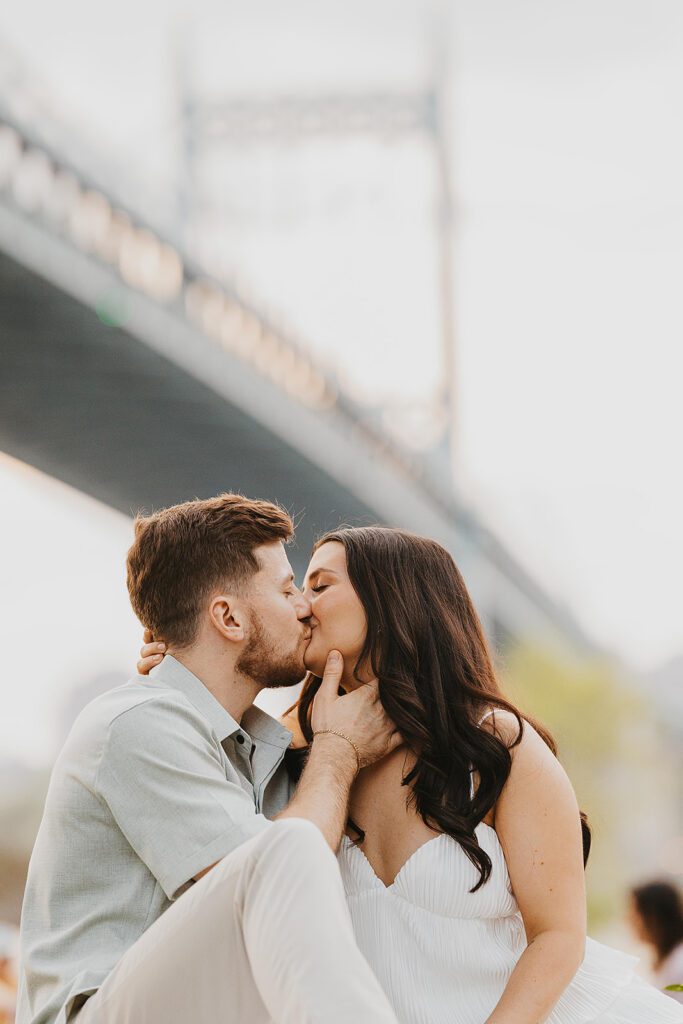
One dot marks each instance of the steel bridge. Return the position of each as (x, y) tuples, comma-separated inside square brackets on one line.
[(133, 375)]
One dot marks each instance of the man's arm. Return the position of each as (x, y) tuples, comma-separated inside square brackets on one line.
[(322, 795), (162, 775)]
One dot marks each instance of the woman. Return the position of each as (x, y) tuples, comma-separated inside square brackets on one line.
[(656, 916), (463, 862), (464, 853)]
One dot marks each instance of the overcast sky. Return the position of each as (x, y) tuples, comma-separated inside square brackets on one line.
[(567, 169)]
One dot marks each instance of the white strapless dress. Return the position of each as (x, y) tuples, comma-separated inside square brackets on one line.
[(444, 955)]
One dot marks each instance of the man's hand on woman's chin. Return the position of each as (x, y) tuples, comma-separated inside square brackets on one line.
[(150, 654), (358, 714)]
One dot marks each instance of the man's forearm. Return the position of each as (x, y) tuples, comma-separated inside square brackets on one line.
[(322, 795)]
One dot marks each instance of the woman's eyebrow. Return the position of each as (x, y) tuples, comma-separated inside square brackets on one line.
[(316, 572)]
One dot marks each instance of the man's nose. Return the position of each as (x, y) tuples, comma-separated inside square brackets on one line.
[(303, 607)]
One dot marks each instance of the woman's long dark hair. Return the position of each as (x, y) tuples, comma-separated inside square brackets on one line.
[(659, 905), (426, 646)]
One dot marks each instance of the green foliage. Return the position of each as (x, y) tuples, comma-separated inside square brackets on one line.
[(591, 714)]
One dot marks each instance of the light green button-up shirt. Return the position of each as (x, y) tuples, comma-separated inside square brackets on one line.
[(156, 781)]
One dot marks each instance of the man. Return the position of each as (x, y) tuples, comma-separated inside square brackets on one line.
[(159, 889)]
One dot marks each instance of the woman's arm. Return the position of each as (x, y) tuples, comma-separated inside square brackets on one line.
[(537, 821)]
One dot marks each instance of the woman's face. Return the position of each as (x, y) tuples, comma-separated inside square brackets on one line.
[(337, 617)]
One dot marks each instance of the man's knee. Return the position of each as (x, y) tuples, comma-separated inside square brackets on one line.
[(297, 833), (298, 843), (287, 848)]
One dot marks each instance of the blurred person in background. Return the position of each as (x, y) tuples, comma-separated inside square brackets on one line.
[(8, 972), (656, 917)]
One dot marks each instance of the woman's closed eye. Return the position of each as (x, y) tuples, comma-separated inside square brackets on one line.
[(321, 586)]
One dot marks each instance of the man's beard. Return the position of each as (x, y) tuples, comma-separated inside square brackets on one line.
[(262, 663)]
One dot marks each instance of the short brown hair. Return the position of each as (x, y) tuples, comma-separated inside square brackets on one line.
[(181, 553)]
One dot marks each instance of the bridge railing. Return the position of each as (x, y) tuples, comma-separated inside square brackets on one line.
[(43, 185)]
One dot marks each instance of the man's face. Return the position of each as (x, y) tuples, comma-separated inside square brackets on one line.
[(278, 631)]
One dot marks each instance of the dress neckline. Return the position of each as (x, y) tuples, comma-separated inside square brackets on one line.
[(428, 842)]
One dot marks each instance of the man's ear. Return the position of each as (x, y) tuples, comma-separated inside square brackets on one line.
[(227, 616)]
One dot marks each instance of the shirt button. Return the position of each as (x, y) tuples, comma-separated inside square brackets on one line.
[(240, 737)]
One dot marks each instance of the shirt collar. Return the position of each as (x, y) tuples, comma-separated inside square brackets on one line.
[(256, 722), (261, 726)]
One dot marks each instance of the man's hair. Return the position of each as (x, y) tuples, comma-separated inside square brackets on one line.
[(181, 554)]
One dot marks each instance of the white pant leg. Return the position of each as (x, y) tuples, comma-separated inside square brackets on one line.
[(264, 938)]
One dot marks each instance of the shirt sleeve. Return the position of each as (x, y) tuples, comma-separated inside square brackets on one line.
[(162, 776)]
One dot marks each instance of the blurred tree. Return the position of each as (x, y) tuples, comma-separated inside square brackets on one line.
[(608, 741)]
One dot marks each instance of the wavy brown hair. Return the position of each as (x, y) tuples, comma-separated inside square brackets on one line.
[(426, 646)]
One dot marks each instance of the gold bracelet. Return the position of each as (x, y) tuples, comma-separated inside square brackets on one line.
[(344, 737)]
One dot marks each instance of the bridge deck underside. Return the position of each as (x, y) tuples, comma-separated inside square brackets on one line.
[(98, 409)]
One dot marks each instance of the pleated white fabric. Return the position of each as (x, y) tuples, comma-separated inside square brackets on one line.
[(444, 955)]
